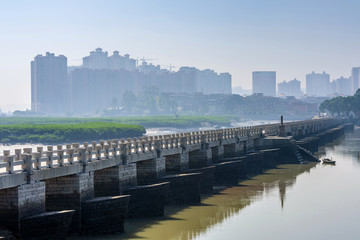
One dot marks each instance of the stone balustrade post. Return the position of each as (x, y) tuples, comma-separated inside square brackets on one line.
[(10, 162), (28, 167), (82, 157), (60, 153), (123, 147), (114, 147), (128, 146), (6, 153), (17, 154), (27, 150), (158, 147), (89, 154), (142, 144), (49, 154), (70, 152), (37, 157), (183, 142), (177, 140), (136, 145), (106, 148), (98, 151)]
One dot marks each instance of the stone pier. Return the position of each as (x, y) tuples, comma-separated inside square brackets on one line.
[(217, 153), (69, 192), (177, 162), (200, 158), (148, 171), (114, 180), (21, 202)]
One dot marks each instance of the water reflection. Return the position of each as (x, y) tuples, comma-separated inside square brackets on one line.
[(189, 222)]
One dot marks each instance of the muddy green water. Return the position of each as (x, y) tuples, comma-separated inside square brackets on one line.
[(311, 201)]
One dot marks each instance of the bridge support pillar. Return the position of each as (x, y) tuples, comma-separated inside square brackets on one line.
[(234, 149), (177, 163), (69, 192), (200, 158), (21, 202), (217, 153), (148, 171), (114, 181)]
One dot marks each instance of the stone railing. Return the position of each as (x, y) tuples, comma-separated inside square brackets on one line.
[(72, 154)]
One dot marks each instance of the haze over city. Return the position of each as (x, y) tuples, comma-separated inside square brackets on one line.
[(238, 37)]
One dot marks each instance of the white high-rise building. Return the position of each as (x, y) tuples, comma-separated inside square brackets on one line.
[(48, 84), (290, 88), (355, 79), (264, 82), (318, 84)]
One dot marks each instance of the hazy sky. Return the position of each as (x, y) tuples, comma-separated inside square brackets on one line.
[(290, 37)]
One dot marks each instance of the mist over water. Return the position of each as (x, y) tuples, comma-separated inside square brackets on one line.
[(311, 201)]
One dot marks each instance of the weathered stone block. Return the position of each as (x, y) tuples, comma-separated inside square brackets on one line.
[(104, 214), (183, 188), (49, 225), (148, 200)]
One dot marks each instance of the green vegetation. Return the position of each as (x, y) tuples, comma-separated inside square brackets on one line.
[(64, 130), (342, 105), (148, 121), (67, 132)]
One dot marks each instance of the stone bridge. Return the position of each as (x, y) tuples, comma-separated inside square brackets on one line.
[(88, 187)]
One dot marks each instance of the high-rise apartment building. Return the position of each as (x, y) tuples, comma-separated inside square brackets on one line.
[(264, 82), (48, 84), (355, 79), (290, 88), (342, 86), (318, 84), (99, 59)]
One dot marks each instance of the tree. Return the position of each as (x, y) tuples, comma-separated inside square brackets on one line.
[(129, 100), (342, 105)]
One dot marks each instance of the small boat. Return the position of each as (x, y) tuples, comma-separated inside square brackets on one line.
[(328, 160)]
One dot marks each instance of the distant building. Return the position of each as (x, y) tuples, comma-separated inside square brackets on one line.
[(264, 82), (101, 82), (341, 86), (355, 79), (239, 90), (210, 82), (48, 84), (290, 88), (99, 59), (318, 84)]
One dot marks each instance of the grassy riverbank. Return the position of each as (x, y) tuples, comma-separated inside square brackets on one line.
[(148, 121), (67, 132), (48, 130)]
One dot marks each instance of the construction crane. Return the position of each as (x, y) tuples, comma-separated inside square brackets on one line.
[(143, 59), (170, 67)]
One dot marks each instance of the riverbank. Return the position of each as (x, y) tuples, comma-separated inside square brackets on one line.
[(66, 132), (176, 121)]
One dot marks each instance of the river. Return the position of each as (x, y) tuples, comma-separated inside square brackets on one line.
[(311, 201)]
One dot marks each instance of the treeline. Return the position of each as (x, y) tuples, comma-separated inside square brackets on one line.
[(342, 105), (67, 132), (146, 121)]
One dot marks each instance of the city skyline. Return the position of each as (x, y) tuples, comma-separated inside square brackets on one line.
[(238, 37)]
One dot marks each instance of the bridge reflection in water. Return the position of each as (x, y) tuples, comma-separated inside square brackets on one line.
[(188, 222)]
